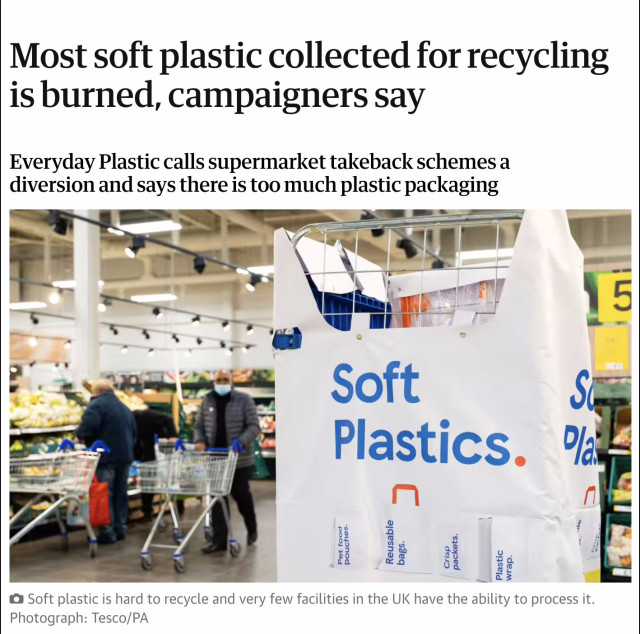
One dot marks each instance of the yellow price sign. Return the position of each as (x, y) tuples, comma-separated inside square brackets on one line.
[(614, 297)]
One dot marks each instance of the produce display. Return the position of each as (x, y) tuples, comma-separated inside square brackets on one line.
[(132, 401), (622, 492), (42, 409), (267, 423), (268, 443), (619, 549), (190, 411), (37, 444), (622, 438)]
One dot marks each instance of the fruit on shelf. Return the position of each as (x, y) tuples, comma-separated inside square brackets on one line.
[(623, 438), (132, 401), (622, 492), (42, 409), (619, 549)]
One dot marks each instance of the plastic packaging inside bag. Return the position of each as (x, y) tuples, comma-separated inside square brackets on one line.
[(437, 308)]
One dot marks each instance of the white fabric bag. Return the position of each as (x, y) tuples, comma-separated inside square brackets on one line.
[(492, 421)]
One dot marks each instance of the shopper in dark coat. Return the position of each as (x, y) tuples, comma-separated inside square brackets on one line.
[(152, 424), (228, 419), (109, 420)]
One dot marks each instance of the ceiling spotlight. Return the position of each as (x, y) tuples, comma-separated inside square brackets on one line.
[(225, 325), (271, 331), (66, 365), (32, 364), (26, 305), (223, 344), (137, 243), (408, 247), (187, 353), (146, 335), (151, 352), (113, 329), (199, 341), (54, 297), (227, 352), (157, 312), (33, 342), (102, 307), (376, 233), (13, 369), (195, 321), (59, 224), (154, 297), (245, 349), (175, 338), (34, 320), (67, 344), (56, 365), (153, 226), (250, 329), (242, 271), (199, 264), (124, 349), (251, 284)]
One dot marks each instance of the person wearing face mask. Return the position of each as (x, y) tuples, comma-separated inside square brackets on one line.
[(227, 418)]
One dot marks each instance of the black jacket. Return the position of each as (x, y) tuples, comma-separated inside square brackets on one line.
[(109, 420), (151, 423)]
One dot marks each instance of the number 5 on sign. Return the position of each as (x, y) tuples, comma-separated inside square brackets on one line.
[(614, 297)]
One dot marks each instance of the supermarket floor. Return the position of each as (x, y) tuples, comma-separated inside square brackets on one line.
[(42, 560)]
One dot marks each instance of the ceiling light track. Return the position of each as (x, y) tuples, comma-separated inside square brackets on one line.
[(199, 258)]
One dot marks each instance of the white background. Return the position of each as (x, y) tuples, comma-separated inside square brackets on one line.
[(571, 136)]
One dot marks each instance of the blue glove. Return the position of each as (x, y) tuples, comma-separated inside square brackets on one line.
[(236, 446), (98, 445)]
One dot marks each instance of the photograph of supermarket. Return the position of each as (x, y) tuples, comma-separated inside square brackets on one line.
[(242, 395)]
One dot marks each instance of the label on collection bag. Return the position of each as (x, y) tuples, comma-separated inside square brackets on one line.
[(456, 548), (588, 525), (349, 542), (510, 546), (405, 541)]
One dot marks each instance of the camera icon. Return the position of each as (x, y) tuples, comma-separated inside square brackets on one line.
[(16, 598)]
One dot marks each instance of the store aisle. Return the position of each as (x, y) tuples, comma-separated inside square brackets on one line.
[(42, 560)]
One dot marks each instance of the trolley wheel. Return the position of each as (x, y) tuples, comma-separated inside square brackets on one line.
[(64, 543), (234, 549), (93, 550), (178, 564), (146, 562)]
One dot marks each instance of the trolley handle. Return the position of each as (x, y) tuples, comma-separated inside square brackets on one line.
[(98, 445), (236, 447), (66, 444)]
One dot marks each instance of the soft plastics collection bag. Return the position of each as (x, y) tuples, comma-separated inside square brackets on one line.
[(491, 424)]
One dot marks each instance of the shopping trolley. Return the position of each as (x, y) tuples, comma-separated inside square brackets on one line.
[(58, 478), (163, 447), (208, 474)]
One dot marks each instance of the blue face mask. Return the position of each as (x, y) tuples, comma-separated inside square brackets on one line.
[(222, 390)]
